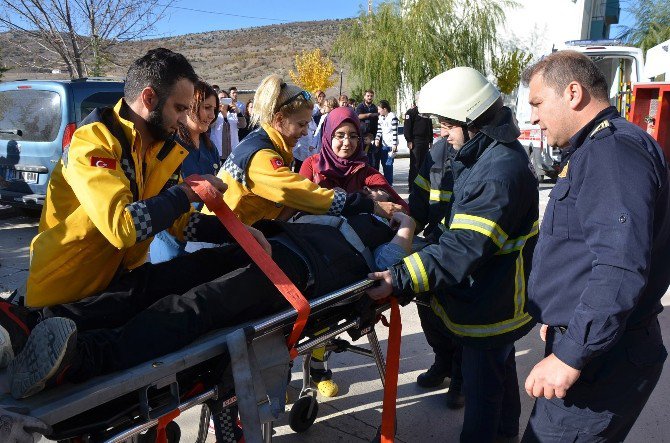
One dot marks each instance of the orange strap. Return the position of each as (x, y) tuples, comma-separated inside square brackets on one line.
[(161, 435), (214, 201), (391, 376)]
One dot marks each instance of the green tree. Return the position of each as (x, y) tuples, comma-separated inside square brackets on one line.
[(507, 69), (444, 34), (652, 24)]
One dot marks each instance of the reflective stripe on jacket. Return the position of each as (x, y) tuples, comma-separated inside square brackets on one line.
[(431, 198)]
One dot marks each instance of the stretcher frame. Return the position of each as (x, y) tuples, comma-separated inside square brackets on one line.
[(156, 384)]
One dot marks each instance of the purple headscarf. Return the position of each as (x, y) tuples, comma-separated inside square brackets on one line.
[(330, 165)]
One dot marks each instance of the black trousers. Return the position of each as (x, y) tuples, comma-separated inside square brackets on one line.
[(491, 390), (448, 352), (417, 155), (604, 403), (157, 309)]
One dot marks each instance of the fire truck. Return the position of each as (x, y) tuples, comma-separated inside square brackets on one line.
[(622, 66)]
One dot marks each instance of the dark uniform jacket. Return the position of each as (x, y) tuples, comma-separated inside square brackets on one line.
[(430, 200), (416, 127), (479, 268), (602, 262)]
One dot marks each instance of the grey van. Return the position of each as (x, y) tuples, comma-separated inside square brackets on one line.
[(37, 120)]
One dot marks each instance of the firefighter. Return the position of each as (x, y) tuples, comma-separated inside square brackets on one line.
[(478, 270), (430, 203), (607, 231)]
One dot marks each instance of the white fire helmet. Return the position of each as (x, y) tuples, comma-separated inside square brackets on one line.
[(460, 94)]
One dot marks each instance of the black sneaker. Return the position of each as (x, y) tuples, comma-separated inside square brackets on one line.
[(46, 356), (14, 331), (455, 398), (433, 377), (320, 374)]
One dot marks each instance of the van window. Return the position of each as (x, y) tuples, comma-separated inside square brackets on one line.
[(98, 100), (30, 115)]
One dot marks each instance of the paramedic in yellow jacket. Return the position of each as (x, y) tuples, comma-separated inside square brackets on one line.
[(261, 184), (116, 187)]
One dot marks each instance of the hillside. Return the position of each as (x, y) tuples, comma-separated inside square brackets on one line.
[(237, 57)]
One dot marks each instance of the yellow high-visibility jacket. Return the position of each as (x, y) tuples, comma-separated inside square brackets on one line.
[(87, 234), (260, 183)]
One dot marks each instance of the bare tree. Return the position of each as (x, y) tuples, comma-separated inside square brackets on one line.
[(82, 34)]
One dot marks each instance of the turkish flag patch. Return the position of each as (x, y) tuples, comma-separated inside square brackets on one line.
[(276, 162), (103, 162)]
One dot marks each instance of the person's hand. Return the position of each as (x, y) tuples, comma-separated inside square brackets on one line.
[(551, 378), (233, 108), (410, 145), (384, 288), (260, 238), (401, 220), (376, 194), (18, 428), (395, 148), (543, 332), (378, 143), (387, 209), (213, 180)]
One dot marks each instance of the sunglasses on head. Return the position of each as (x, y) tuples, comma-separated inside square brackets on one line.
[(304, 94)]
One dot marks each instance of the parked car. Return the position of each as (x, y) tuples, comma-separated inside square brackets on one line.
[(37, 120)]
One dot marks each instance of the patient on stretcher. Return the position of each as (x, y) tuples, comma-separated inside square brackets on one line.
[(319, 254)]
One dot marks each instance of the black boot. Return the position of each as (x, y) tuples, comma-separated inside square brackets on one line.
[(455, 398), (434, 376)]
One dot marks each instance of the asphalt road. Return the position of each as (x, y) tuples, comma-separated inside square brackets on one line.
[(356, 412)]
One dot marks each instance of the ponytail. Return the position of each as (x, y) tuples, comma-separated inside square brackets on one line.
[(271, 97)]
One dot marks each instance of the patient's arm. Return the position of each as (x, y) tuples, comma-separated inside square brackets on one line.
[(406, 226), (400, 246)]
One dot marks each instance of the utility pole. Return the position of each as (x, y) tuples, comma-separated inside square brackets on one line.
[(340, 82), (369, 7)]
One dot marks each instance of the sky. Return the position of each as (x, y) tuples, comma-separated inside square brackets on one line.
[(191, 16), (187, 16)]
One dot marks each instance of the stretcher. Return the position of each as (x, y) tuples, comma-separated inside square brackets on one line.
[(120, 406)]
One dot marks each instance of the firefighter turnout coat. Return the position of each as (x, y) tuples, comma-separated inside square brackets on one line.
[(479, 269)]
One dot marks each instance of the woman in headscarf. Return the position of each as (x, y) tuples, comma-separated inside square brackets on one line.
[(342, 163)]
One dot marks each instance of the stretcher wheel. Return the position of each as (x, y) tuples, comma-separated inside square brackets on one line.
[(303, 413)]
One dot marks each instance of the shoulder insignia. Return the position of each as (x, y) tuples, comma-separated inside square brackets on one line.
[(602, 125), (564, 171), (276, 162)]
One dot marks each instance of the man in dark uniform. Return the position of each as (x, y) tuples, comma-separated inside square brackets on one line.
[(477, 272), (601, 262), (430, 205), (418, 132), (368, 113)]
